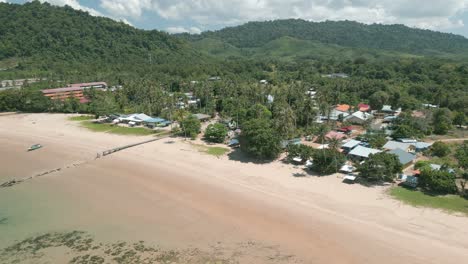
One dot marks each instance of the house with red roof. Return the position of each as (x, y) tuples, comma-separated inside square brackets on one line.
[(73, 91), (343, 107), (364, 107), (335, 135)]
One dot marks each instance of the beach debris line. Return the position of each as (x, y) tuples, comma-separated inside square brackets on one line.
[(14, 182)]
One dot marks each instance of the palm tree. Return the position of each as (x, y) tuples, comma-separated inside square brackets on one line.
[(322, 133), (334, 143)]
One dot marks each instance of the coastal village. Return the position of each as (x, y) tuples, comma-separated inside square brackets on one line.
[(352, 126), (233, 132)]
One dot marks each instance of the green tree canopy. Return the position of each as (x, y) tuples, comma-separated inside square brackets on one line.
[(260, 140), (440, 149), (459, 119), (462, 155), (299, 150), (438, 181), (327, 161), (380, 167), (442, 121), (190, 126), (216, 133)]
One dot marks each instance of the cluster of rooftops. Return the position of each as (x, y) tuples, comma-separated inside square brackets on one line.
[(143, 119), (404, 149), (363, 114)]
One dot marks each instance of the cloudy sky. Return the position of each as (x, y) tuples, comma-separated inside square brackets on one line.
[(199, 15)]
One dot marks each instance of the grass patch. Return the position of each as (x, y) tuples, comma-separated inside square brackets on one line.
[(217, 151), (450, 203), (119, 130), (214, 151), (81, 118)]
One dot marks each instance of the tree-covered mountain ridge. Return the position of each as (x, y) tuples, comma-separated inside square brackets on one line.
[(54, 33), (351, 34)]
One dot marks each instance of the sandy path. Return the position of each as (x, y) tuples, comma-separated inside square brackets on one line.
[(168, 193)]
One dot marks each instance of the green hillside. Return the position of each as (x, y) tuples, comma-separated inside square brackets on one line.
[(394, 38), (37, 38), (292, 49)]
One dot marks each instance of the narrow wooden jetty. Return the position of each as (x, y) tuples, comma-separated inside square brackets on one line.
[(111, 151)]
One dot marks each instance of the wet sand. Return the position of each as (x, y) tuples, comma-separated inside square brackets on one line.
[(168, 194)]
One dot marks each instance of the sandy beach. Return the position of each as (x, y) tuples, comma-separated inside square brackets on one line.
[(169, 194)]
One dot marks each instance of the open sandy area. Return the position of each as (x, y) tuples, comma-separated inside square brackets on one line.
[(167, 193)]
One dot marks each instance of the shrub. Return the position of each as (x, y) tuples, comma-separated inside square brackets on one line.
[(216, 133)]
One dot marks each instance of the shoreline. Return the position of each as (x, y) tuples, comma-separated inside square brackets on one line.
[(200, 197)]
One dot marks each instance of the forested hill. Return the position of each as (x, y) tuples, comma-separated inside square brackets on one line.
[(343, 33), (42, 34)]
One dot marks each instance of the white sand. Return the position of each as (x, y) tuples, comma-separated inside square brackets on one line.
[(169, 193)]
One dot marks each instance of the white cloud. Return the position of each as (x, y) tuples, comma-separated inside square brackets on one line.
[(434, 14), (175, 30)]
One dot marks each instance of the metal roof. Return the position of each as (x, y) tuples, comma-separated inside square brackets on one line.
[(62, 90), (423, 145), (403, 156), (202, 116), (155, 120), (351, 144), (387, 108), (391, 145), (364, 152)]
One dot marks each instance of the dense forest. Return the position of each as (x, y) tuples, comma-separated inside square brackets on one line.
[(65, 45), (343, 33), (41, 39)]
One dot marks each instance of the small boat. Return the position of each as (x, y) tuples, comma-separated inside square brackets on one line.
[(34, 147)]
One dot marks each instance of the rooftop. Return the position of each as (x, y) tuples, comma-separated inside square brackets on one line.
[(343, 107), (351, 144), (62, 90), (392, 145), (335, 135), (403, 156), (88, 84), (361, 115), (364, 152)]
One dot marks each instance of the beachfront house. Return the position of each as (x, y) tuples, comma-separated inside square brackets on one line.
[(364, 107), (335, 135), (359, 118), (156, 122), (133, 119), (422, 146), (361, 153), (405, 158), (202, 117), (387, 109), (408, 145), (335, 115), (143, 119), (350, 145), (392, 145)]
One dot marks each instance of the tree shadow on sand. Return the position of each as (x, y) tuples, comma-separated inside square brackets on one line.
[(238, 155)]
